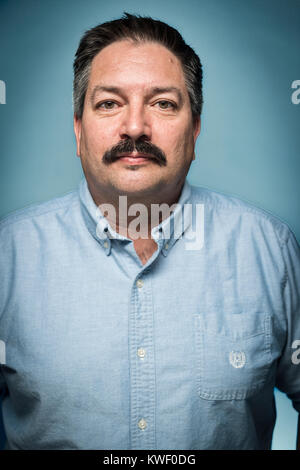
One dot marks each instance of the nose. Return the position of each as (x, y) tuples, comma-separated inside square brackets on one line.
[(135, 123)]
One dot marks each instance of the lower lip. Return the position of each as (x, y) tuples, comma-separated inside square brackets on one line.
[(135, 160)]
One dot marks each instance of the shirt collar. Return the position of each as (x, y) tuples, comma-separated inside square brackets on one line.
[(165, 234)]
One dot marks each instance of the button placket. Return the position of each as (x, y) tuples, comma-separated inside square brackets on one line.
[(142, 365)]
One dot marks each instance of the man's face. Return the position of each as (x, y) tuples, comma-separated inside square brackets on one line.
[(136, 93)]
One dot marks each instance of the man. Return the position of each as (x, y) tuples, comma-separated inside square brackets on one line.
[(116, 336)]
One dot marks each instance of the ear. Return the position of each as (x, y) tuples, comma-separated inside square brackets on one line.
[(197, 128), (77, 130)]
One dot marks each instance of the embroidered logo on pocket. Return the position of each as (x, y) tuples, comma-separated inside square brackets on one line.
[(237, 359)]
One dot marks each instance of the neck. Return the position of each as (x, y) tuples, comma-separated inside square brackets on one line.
[(135, 215)]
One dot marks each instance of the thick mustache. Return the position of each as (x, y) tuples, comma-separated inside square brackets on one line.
[(129, 145)]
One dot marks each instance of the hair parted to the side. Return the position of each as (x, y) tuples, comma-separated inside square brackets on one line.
[(137, 29)]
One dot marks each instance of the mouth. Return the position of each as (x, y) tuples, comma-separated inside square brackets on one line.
[(135, 158)]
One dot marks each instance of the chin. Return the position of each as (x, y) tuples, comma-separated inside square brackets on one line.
[(139, 187)]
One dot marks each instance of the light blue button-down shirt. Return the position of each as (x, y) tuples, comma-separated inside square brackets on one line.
[(98, 351)]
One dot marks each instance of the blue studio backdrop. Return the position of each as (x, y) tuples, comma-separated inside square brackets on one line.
[(250, 140)]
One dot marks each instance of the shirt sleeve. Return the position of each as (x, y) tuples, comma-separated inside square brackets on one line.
[(288, 371)]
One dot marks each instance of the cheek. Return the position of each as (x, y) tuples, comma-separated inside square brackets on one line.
[(180, 146), (97, 138), (166, 136), (176, 141)]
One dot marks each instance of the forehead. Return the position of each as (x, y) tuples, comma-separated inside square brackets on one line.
[(136, 65)]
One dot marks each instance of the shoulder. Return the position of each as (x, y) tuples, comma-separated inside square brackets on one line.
[(35, 214), (230, 209)]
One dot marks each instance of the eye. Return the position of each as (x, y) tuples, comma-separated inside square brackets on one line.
[(108, 105), (165, 104)]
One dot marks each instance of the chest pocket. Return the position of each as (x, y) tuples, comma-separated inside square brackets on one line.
[(233, 354)]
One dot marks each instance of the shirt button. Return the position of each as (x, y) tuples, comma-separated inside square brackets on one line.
[(141, 353), (105, 244), (142, 424), (139, 283), (166, 246)]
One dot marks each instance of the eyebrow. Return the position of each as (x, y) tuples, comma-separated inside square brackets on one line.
[(152, 92), (169, 89)]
